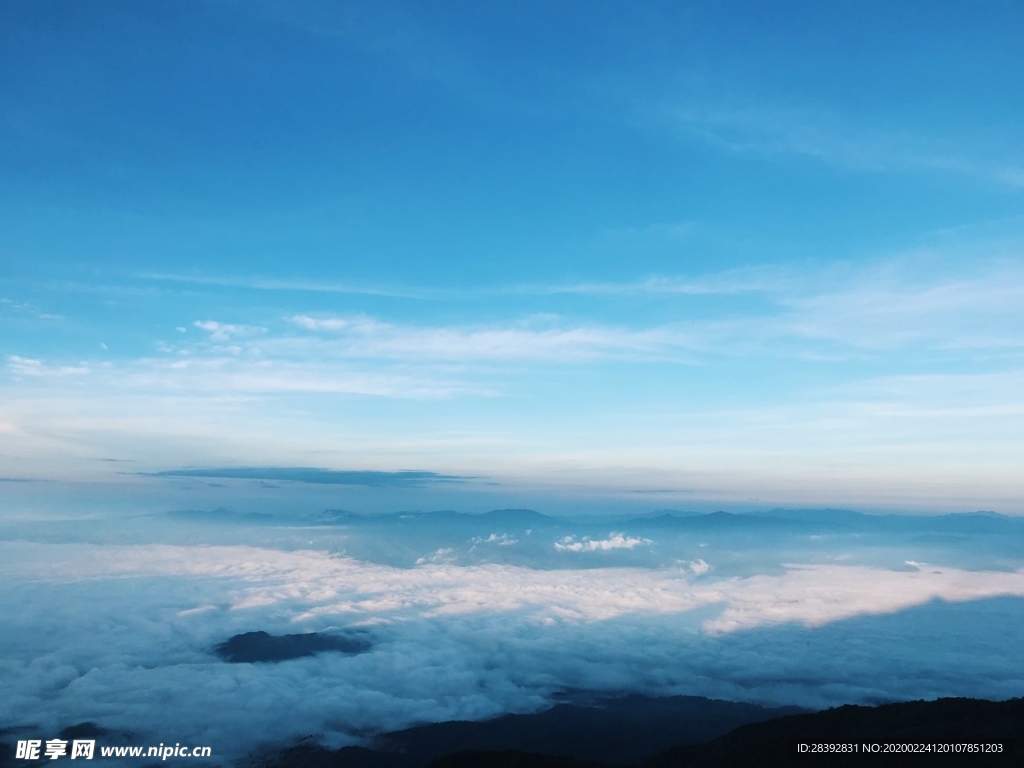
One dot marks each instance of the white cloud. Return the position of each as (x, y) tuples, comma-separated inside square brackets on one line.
[(356, 323), (440, 555), (699, 567), (26, 366), (224, 331), (500, 539), (586, 544), (315, 583), (314, 324)]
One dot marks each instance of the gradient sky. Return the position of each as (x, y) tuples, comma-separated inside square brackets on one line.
[(720, 250)]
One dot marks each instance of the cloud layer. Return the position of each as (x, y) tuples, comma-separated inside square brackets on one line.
[(123, 636)]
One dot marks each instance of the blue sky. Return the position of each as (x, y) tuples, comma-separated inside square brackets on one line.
[(598, 258), (727, 251)]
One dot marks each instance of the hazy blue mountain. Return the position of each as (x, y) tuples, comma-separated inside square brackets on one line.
[(524, 517), (220, 515), (717, 521)]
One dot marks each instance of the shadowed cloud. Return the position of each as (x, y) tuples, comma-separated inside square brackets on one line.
[(403, 478)]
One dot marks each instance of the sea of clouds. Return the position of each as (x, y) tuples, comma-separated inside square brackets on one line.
[(118, 629)]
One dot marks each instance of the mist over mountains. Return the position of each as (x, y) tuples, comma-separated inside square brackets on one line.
[(528, 537)]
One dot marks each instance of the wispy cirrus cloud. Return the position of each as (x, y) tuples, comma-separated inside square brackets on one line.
[(741, 280), (806, 316), (237, 370), (736, 281), (27, 366), (810, 314), (883, 308), (773, 131), (528, 339), (357, 323), (885, 361), (298, 285), (26, 308), (727, 283)]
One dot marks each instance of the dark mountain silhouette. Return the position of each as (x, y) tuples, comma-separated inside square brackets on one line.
[(628, 731), (254, 647), (618, 731), (315, 756), (944, 720), (86, 730), (509, 759), (614, 732)]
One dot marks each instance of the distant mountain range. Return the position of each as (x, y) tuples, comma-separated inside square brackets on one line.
[(802, 520), (678, 732), (496, 516), (779, 520)]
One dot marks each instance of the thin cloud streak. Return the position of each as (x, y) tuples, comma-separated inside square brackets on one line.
[(294, 285), (372, 339), (725, 284), (776, 132), (403, 478)]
